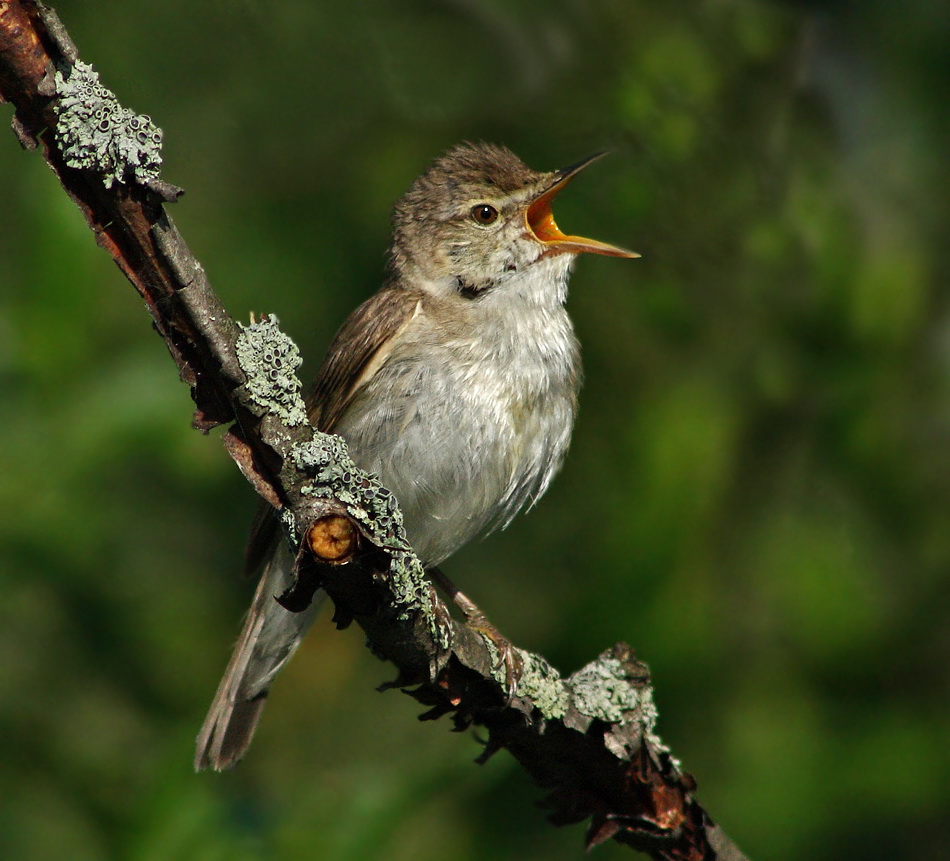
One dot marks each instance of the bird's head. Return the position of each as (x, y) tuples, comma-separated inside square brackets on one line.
[(479, 216)]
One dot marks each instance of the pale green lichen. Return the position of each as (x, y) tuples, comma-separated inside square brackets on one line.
[(648, 719), (498, 671), (96, 133), (289, 523), (270, 360), (411, 591), (542, 684), (327, 460), (602, 691), (649, 715)]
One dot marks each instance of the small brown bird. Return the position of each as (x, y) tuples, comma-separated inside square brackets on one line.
[(456, 383)]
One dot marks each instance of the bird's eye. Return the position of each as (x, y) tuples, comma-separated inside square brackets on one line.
[(484, 213)]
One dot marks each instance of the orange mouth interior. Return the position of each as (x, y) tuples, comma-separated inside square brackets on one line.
[(541, 220), (541, 224)]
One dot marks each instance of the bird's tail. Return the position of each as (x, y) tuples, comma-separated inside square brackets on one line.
[(270, 636)]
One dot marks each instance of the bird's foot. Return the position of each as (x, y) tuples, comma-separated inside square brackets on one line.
[(507, 666)]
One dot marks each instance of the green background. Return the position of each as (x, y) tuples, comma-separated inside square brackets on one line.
[(758, 491)]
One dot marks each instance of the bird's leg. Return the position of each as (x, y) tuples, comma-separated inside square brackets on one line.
[(508, 657)]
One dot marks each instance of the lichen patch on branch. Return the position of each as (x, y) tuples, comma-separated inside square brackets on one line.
[(603, 691), (326, 459), (542, 684), (96, 133), (270, 359)]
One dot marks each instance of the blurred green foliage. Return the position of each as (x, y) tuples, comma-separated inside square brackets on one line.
[(758, 494)]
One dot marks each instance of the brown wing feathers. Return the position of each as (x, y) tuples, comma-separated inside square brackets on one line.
[(367, 333)]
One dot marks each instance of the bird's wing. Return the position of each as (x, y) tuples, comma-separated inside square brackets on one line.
[(272, 633), (359, 350)]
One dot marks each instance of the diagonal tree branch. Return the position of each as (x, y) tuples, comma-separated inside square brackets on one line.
[(588, 739)]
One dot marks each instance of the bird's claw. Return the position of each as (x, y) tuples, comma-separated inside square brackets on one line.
[(508, 666)]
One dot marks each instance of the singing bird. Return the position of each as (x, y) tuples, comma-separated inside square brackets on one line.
[(456, 383)]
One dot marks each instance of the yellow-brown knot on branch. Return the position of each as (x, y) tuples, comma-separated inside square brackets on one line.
[(333, 539)]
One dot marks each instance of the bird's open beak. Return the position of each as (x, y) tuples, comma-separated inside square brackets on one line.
[(540, 223)]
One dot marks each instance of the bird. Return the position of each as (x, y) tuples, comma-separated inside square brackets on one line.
[(456, 383)]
